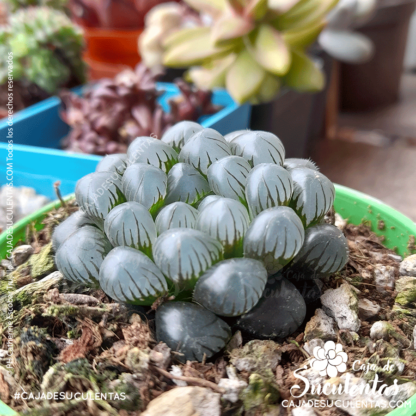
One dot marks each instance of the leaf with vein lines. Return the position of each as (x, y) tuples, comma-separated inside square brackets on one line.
[(183, 254), (178, 135), (190, 330), (131, 225), (231, 287), (268, 185), (80, 256), (227, 221), (275, 236), (127, 275), (116, 162), (176, 215)]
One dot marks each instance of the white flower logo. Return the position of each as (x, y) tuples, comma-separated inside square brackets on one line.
[(330, 359)]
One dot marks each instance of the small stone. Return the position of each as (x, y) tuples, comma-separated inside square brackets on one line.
[(414, 337), (320, 326), (7, 264), (367, 309), (177, 372), (342, 305), (160, 355), (340, 223), (385, 330), (405, 283), (185, 401), (256, 356), (43, 263), (384, 278), (395, 257), (401, 393), (408, 266), (303, 411), (21, 254), (310, 345), (232, 385)]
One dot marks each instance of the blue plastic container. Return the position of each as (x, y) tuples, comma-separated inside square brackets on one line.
[(38, 131)]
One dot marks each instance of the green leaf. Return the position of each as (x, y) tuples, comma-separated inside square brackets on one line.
[(303, 14), (303, 37), (268, 48), (244, 78), (281, 6), (268, 90), (230, 26), (256, 9), (178, 36), (304, 75), (212, 75), (212, 7), (193, 50)]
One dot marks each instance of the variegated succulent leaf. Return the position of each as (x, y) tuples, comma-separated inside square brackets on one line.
[(176, 215), (293, 163), (268, 185), (275, 236), (207, 200), (153, 152), (231, 287), (186, 184), (203, 149), (131, 225), (227, 221), (66, 228), (116, 162), (259, 147), (325, 251), (313, 195), (80, 256), (146, 185), (98, 193), (183, 254), (129, 276), (191, 330), (227, 177), (178, 135)]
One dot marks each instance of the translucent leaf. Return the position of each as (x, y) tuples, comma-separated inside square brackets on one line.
[(268, 185), (304, 75), (176, 215), (186, 184), (281, 311), (281, 6), (193, 50), (244, 68), (230, 26), (203, 149), (98, 193), (191, 330), (231, 136), (305, 36), (293, 163), (207, 200), (325, 251), (231, 287), (116, 162), (313, 195), (268, 90), (131, 225), (227, 221), (127, 275), (146, 185), (211, 7), (269, 49), (227, 177), (180, 133), (66, 228), (259, 147), (80, 256), (153, 152), (183, 255), (275, 236)]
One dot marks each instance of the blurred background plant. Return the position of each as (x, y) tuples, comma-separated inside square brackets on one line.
[(47, 54), (257, 40), (15, 5)]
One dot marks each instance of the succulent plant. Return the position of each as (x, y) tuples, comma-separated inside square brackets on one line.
[(53, 4), (188, 244), (263, 41), (108, 117), (47, 49)]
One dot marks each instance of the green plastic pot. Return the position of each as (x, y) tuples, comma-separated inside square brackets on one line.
[(352, 205)]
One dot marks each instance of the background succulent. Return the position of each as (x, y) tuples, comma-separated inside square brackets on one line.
[(107, 118), (189, 243), (260, 40), (53, 4)]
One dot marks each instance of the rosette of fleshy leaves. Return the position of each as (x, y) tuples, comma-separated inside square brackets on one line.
[(211, 226), (115, 111), (47, 49), (251, 47)]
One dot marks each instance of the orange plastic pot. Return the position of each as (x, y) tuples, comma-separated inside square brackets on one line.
[(109, 51)]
